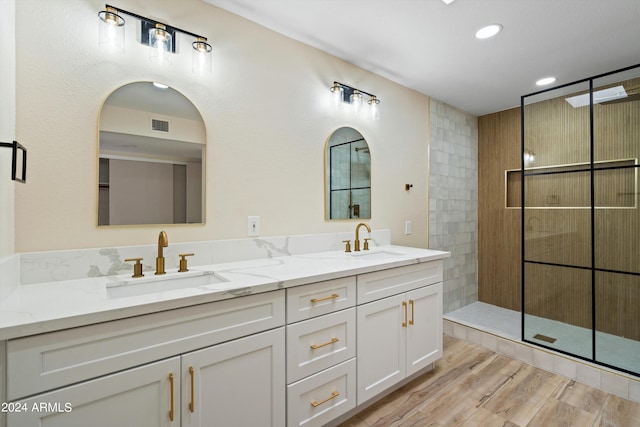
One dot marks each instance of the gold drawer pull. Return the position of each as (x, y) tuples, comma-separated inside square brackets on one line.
[(315, 300), (315, 403), (404, 307), (192, 404), (171, 406), (413, 316), (333, 341)]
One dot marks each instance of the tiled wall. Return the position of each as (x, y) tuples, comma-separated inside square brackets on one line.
[(453, 200)]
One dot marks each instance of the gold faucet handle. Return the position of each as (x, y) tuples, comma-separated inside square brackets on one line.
[(137, 267), (366, 243), (183, 262), (348, 246)]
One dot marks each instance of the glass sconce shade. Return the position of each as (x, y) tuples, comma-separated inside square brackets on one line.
[(356, 100), (374, 108), (160, 43), (111, 30), (201, 56), (337, 93)]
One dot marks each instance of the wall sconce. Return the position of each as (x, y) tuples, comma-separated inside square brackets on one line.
[(344, 94), (160, 37)]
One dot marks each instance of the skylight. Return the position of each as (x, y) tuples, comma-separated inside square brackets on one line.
[(603, 95)]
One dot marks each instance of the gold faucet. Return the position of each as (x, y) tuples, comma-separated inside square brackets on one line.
[(356, 244), (163, 242)]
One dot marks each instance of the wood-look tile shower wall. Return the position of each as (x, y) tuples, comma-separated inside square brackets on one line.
[(559, 231)]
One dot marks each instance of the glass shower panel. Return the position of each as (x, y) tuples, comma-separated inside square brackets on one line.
[(556, 128), (557, 308), (618, 320)]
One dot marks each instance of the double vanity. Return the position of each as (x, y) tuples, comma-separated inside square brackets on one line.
[(302, 335)]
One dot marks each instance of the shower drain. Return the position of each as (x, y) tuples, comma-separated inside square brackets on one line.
[(544, 338)]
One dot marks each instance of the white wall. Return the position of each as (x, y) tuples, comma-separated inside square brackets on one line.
[(7, 125), (266, 108)]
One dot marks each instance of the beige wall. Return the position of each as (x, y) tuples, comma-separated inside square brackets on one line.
[(7, 126), (266, 110)]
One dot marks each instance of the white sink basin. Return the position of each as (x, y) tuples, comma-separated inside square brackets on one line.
[(374, 254), (171, 281)]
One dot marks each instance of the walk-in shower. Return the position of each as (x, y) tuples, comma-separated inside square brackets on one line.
[(581, 221)]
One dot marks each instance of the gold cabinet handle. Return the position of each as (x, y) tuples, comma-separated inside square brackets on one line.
[(404, 307), (333, 341), (315, 403), (171, 398), (192, 404), (315, 300), (411, 303)]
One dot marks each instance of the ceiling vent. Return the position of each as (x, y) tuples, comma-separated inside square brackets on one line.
[(160, 125)]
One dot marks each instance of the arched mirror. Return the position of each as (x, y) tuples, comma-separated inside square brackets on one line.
[(151, 157), (347, 176)]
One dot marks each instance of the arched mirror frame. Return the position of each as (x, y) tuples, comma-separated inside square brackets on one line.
[(159, 134), (354, 197)]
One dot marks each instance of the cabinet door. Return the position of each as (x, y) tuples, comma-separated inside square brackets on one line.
[(381, 346), (238, 383), (140, 397), (424, 332)]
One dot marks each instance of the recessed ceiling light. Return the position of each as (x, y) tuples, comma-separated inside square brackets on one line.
[(545, 81), (488, 31), (447, 1), (160, 85)]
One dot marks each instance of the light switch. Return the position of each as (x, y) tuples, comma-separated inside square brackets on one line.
[(407, 227), (253, 226)]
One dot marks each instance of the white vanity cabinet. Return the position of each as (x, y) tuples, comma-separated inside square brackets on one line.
[(194, 366), (400, 333), (321, 349)]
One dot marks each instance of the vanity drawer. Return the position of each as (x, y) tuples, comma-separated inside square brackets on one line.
[(43, 362), (315, 299), (316, 344), (384, 283), (318, 399)]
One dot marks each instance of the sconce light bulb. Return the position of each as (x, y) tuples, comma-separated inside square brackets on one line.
[(356, 100), (201, 57), (373, 106), (160, 43), (111, 30), (337, 96)]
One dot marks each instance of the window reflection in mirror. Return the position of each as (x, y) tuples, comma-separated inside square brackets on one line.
[(347, 176), (151, 169)]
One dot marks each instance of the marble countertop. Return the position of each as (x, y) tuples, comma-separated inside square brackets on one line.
[(46, 307)]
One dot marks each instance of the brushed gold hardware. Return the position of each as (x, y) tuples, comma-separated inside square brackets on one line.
[(137, 267), (315, 403), (412, 304), (366, 244), (333, 296), (183, 262), (348, 246), (404, 307), (163, 242), (356, 244), (171, 398), (315, 347), (192, 404)]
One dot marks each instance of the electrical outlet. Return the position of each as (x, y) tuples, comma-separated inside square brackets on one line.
[(407, 227), (253, 226)]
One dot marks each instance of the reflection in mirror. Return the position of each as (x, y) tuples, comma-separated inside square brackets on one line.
[(152, 145), (347, 176)]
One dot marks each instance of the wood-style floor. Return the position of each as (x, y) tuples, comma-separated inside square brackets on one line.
[(472, 386)]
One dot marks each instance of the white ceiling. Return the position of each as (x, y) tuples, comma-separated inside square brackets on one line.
[(429, 46)]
